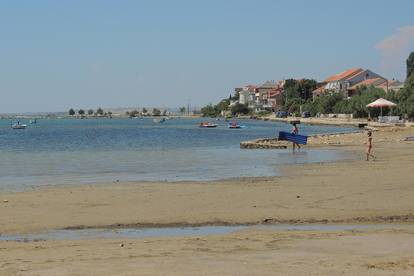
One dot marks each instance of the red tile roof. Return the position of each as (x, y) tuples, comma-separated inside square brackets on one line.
[(275, 92), (367, 82), (318, 90), (251, 88), (344, 75)]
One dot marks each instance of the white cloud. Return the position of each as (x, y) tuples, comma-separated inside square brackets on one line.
[(394, 51)]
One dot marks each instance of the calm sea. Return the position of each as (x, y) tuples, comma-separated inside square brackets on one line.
[(103, 150)]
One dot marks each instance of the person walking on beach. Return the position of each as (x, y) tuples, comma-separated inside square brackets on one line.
[(369, 146), (295, 131)]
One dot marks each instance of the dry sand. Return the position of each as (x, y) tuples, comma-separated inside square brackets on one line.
[(348, 191)]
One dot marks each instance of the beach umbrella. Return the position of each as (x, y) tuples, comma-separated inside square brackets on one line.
[(381, 103)]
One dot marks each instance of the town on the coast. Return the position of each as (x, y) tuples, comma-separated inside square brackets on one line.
[(342, 95)]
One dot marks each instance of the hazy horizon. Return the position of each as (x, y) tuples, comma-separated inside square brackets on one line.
[(57, 55), (119, 110)]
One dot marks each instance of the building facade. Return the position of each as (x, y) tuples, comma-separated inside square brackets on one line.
[(348, 81)]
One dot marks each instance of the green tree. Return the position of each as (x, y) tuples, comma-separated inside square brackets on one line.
[(182, 110), (71, 112), (297, 92), (133, 113), (99, 111), (405, 98), (90, 112), (239, 108), (209, 111), (323, 104), (223, 105), (81, 112), (366, 95), (144, 111), (335, 103), (156, 112), (236, 96), (291, 90), (410, 65), (343, 107)]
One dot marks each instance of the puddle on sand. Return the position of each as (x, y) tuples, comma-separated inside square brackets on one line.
[(138, 233)]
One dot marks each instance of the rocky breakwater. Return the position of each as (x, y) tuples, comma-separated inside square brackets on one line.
[(265, 143), (335, 139)]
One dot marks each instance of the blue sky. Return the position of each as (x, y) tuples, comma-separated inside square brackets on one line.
[(60, 54)]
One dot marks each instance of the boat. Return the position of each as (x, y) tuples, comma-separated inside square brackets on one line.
[(159, 121), (207, 124), (235, 125), (18, 125), (34, 121)]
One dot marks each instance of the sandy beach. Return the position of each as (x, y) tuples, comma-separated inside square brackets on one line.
[(353, 191)]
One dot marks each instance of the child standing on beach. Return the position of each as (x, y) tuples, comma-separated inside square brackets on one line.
[(369, 146), (295, 131)]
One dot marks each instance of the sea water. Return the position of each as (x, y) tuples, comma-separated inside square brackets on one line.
[(189, 231), (73, 151)]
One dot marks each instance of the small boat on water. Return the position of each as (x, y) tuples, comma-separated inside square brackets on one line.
[(34, 121), (18, 125), (207, 124), (159, 121), (235, 125)]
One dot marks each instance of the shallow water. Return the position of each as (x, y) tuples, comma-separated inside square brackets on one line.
[(102, 150), (139, 233)]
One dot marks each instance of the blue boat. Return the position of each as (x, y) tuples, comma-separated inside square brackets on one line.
[(296, 138)]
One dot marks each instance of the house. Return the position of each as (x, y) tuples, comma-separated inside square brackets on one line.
[(376, 82), (275, 97), (393, 84), (247, 95), (269, 95), (348, 81)]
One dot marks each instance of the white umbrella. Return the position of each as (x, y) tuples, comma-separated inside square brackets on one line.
[(381, 103)]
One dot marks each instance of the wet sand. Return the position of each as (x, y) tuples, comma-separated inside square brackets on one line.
[(348, 191), (252, 252)]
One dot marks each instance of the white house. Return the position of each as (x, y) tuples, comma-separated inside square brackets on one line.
[(247, 95), (346, 82)]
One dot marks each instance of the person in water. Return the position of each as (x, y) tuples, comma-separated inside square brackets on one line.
[(295, 131), (369, 146)]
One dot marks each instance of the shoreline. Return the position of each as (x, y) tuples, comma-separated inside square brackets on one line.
[(301, 194), (350, 191), (334, 122), (384, 220)]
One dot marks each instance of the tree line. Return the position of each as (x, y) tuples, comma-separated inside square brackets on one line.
[(145, 112), (90, 112)]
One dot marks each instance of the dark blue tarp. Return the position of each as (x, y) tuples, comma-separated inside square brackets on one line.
[(297, 138)]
